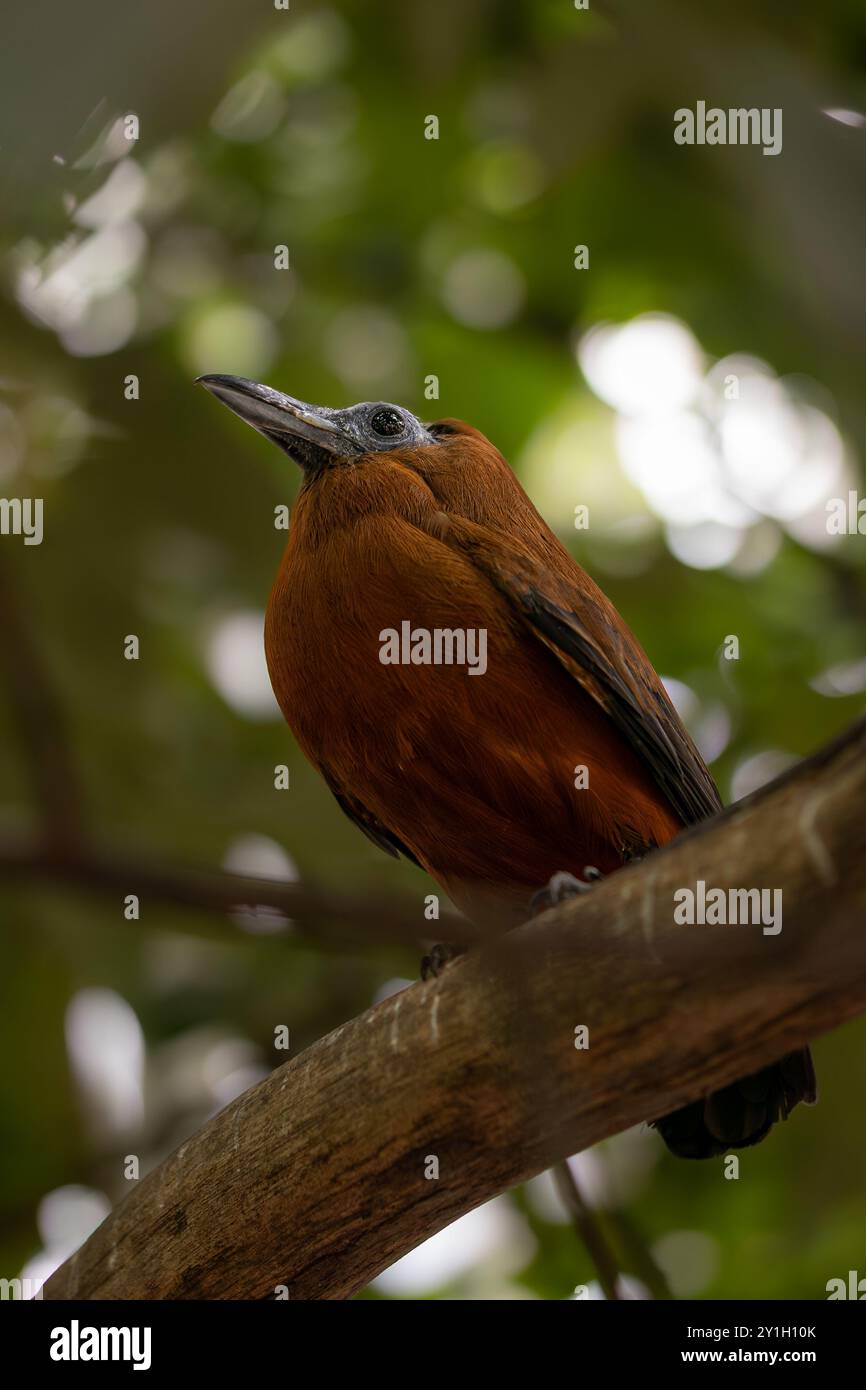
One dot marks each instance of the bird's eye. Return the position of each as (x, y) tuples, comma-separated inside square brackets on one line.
[(387, 422)]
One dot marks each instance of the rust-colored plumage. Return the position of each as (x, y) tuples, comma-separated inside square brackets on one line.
[(476, 776)]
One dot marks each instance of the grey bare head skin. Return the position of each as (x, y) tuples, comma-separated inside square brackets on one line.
[(316, 436)]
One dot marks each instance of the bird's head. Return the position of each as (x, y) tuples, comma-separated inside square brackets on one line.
[(316, 436), (458, 468)]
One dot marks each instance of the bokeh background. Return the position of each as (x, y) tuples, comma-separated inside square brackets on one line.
[(607, 387)]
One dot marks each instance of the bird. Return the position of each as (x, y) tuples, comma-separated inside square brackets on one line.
[(403, 530)]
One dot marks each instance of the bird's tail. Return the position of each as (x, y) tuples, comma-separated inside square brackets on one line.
[(743, 1113)]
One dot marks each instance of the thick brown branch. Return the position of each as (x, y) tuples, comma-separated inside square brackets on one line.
[(316, 1178)]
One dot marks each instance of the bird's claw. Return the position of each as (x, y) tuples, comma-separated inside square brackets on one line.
[(563, 886), (440, 955)]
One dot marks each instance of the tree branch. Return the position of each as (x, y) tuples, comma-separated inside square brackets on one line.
[(40, 723), (315, 1178), (370, 919)]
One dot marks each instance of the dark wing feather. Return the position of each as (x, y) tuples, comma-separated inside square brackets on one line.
[(639, 708), (568, 612), (368, 823)]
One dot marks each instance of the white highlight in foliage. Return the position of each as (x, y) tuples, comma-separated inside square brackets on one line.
[(260, 857), (120, 197), (65, 1218), (651, 364), (715, 454), (846, 678), (105, 1044), (250, 110), (493, 1234), (755, 771), (705, 546), (237, 667), (845, 117), (257, 856)]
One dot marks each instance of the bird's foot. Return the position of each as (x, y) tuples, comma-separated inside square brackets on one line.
[(440, 955), (563, 886)]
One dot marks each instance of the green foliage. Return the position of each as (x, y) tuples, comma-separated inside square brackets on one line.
[(555, 130)]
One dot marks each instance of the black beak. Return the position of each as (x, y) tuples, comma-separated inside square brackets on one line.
[(308, 433)]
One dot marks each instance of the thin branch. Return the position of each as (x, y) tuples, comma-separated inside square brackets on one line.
[(316, 1178), (638, 1257), (40, 724), (61, 851), (361, 917), (588, 1229)]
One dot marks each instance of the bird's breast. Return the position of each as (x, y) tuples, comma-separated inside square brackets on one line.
[(411, 684)]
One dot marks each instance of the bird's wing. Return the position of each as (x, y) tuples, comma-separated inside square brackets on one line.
[(368, 823), (566, 611)]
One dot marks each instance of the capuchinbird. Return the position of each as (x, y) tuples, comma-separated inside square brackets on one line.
[(402, 531)]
